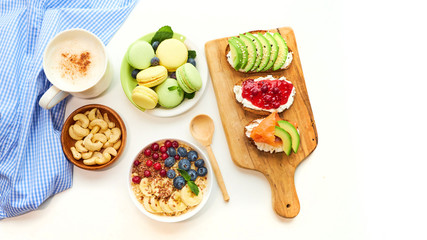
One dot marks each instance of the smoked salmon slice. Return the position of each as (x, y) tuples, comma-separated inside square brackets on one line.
[(264, 132)]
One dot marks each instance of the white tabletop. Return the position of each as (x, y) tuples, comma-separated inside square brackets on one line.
[(363, 64)]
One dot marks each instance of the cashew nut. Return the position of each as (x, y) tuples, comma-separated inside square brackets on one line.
[(90, 161), (117, 145), (91, 146), (108, 152), (99, 137), (115, 135), (79, 146), (98, 114), (100, 158), (76, 154), (107, 133), (110, 124), (79, 131), (87, 155), (107, 145), (73, 135), (97, 157), (95, 130), (81, 120), (103, 125), (91, 115)]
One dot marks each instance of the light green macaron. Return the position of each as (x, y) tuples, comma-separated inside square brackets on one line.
[(169, 94), (189, 78), (139, 54)]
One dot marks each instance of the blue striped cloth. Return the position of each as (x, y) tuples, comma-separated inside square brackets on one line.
[(32, 164)]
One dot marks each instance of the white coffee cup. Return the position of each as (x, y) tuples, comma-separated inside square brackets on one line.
[(75, 62)]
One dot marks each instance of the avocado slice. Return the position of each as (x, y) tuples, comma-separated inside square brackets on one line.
[(283, 51), (286, 139), (244, 51), (251, 49), (274, 50), (266, 51), (293, 132), (258, 47), (236, 53)]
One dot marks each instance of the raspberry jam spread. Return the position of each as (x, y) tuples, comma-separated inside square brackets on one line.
[(267, 94)]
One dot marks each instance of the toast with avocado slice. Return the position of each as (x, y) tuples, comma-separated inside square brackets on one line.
[(258, 51), (272, 134)]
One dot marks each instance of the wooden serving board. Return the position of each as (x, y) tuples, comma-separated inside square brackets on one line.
[(278, 168)]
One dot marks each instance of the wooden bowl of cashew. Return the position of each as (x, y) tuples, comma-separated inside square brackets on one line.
[(93, 137)]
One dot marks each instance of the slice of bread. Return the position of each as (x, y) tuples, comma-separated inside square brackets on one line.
[(254, 109), (285, 66)]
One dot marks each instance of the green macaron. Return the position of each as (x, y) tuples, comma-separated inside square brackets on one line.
[(170, 95), (189, 78), (139, 54)]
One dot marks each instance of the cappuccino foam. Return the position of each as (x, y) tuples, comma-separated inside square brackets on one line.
[(75, 64)]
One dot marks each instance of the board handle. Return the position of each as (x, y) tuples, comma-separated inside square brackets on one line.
[(284, 194)]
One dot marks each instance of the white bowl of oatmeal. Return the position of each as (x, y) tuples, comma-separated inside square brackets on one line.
[(170, 180)]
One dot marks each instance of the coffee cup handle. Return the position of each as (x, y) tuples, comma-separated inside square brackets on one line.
[(52, 97)]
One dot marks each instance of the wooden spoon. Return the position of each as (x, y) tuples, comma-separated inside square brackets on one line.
[(202, 128)]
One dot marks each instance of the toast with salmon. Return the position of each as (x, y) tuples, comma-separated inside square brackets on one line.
[(258, 51), (273, 135)]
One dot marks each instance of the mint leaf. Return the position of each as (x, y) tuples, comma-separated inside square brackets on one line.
[(185, 175), (194, 188), (180, 91), (192, 54), (171, 88), (163, 33), (189, 95)]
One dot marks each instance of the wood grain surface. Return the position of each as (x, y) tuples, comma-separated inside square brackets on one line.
[(278, 168)]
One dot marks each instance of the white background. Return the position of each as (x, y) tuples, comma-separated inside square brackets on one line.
[(363, 63)]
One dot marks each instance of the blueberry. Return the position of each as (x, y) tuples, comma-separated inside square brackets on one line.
[(193, 174), (169, 162), (171, 173), (202, 171), (155, 44), (184, 164), (199, 163), (173, 75), (192, 61), (135, 72), (179, 182), (155, 61), (171, 152), (192, 155), (182, 152)]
